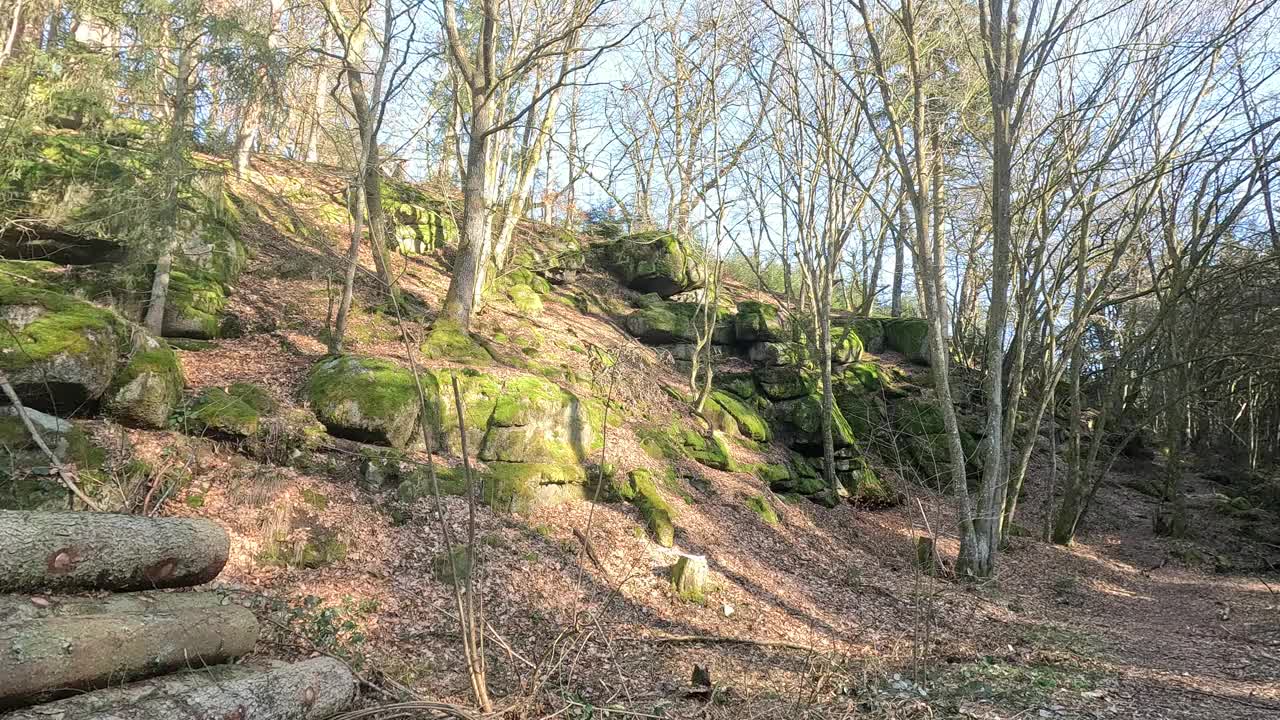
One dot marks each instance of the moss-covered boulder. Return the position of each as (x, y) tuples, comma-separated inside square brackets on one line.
[(772, 354), (364, 399), (864, 486), (785, 382), (660, 322), (536, 421), (689, 578), (524, 486), (759, 322), (663, 323), (711, 450), (657, 262), (747, 421), (742, 384), (918, 416), (479, 392), (420, 223), (448, 341), (864, 409), (149, 386), (761, 507), (28, 482), (801, 418), (553, 254), (59, 352), (909, 336), (846, 345), (799, 477), (641, 491), (525, 299), (234, 411), (194, 305)]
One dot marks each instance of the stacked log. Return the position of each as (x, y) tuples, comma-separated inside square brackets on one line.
[(171, 648), (76, 551)]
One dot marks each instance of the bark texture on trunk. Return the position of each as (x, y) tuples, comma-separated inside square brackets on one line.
[(49, 658), (76, 551), (22, 608), (309, 690), (176, 684)]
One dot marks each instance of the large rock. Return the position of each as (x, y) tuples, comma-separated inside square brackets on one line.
[(59, 352), (657, 262), (194, 306), (365, 399), (747, 421), (148, 387), (235, 411), (785, 382), (759, 322), (419, 223), (802, 419), (660, 322), (536, 421), (641, 491), (909, 336), (553, 254)]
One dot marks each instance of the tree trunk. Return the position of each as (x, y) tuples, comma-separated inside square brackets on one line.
[(44, 659), (316, 688), (473, 253), (159, 297), (76, 551), (86, 704)]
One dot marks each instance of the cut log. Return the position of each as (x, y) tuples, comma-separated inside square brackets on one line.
[(73, 551), (309, 690), (15, 608), (51, 657), (179, 683)]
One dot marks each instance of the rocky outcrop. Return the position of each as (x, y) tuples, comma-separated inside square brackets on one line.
[(758, 322), (27, 480), (660, 322), (657, 262), (909, 336)]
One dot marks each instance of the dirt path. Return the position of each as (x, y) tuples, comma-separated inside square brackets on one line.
[(1176, 641)]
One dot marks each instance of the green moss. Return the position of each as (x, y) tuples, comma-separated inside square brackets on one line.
[(908, 336), (316, 500), (761, 507), (521, 486), (194, 305), (236, 410), (785, 383), (366, 399), (918, 416), (741, 384), (63, 327), (417, 485), (147, 389), (525, 299), (448, 341), (758, 322), (656, 261), (803, 416), (866, 488), (749, 423), (772, 473), (664, 322), (710, 451), (655, 511)]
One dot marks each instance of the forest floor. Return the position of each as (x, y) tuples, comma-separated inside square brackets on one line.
[(820, 616)]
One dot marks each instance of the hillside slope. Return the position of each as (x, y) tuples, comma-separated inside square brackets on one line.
[(809, 609)]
